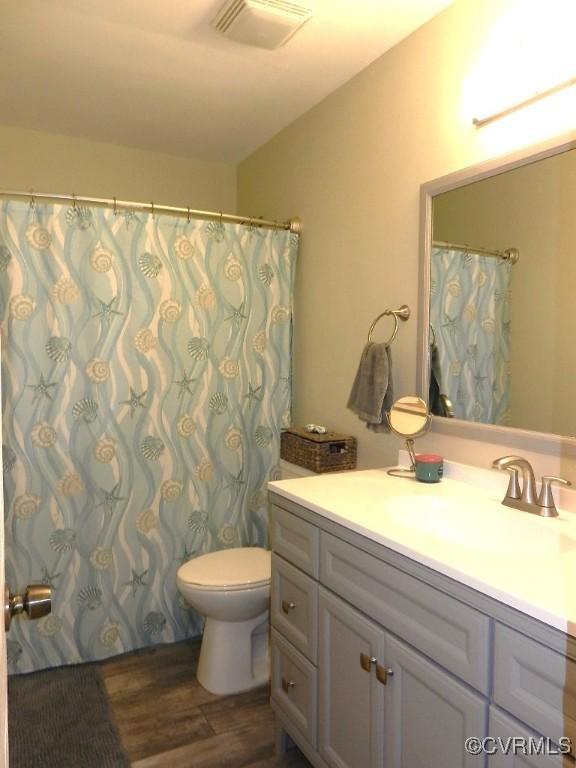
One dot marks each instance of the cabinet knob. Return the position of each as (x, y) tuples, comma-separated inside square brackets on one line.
[(383, 673), (367, 661), (288, 606), (287, 685)]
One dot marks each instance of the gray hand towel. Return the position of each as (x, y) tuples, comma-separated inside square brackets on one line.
[(372, 394), (435, 383)]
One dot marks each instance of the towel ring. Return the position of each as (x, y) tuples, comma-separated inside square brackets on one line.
[(402, 312)]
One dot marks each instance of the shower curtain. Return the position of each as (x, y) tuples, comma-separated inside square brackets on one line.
[(470, 318), (146, 374)]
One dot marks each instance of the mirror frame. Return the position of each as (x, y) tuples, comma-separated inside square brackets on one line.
[(522, 438)]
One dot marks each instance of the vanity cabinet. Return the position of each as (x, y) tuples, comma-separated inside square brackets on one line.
[(380, 662)]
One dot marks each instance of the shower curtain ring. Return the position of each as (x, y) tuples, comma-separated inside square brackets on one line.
[(32, 200), (188, 215), (152, 207), (115, 208), (73, 201)]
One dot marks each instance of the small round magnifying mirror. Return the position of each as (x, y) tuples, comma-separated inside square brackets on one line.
[(409, 417)]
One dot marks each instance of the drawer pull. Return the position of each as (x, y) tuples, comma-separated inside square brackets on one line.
[(287, 684), (288, 606), (383, 673), (367, 661)]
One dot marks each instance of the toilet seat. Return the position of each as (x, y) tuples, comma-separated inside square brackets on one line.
[(229, 569)]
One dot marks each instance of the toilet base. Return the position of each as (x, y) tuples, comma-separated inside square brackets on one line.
[(234, 655)]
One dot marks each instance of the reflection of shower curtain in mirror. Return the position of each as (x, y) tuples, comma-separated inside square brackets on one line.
[(470, 314)]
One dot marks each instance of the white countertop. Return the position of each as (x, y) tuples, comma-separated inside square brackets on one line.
[(459, 528)]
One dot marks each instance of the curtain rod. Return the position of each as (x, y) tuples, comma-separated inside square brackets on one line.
[(509, 254), (293, 225)]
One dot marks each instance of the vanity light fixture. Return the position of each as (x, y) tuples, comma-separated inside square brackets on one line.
[(480, 121)]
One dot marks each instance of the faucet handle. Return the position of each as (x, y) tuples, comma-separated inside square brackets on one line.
[(513, 491), (546, 498)]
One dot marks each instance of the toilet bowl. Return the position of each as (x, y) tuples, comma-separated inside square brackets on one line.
[(231, 588)]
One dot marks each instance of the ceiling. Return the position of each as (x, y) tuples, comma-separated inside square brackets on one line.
[(157, 76)]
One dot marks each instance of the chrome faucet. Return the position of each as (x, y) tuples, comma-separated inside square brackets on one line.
[(525, 498)]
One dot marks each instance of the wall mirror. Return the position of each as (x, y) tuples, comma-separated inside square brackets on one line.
[(497, 335)]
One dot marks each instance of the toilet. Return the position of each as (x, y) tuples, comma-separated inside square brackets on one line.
[(231, 589)]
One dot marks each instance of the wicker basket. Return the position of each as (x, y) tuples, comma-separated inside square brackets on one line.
[(330, 452)]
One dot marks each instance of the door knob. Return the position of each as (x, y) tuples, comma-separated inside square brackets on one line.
[(37, 602)]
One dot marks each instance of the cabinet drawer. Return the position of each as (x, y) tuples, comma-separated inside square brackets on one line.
[(296, 540), (294, 607), (535, 684), (294, 686), (503, 728), (451, 633)]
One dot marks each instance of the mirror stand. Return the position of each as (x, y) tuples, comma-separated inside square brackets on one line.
[(401, 471)]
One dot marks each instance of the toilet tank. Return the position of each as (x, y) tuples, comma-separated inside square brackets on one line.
[(293, 470)]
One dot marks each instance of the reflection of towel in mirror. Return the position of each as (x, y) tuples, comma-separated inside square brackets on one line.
[(372, 394), (435, 400)]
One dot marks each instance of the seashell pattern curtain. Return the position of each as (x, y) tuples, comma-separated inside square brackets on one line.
[(470, 315), (146, 374)]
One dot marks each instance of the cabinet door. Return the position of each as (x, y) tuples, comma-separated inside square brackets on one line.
[(351, 704), (503, 728), (429, 714), (535, 684)]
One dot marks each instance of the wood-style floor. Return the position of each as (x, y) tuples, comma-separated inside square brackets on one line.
[(167, 720)]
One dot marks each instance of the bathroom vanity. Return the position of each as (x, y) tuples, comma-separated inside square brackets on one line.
[(407, 618)]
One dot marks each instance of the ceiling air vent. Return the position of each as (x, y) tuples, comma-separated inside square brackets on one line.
[(264, 23)]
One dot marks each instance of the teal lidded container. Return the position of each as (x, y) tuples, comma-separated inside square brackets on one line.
[(429, 467)]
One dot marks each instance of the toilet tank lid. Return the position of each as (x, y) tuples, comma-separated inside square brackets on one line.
[(228, 568)]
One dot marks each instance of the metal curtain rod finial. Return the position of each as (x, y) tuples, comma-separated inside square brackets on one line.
[(402, 313), (512, 255)]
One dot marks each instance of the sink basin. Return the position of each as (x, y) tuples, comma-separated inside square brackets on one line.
[(479, 524)]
